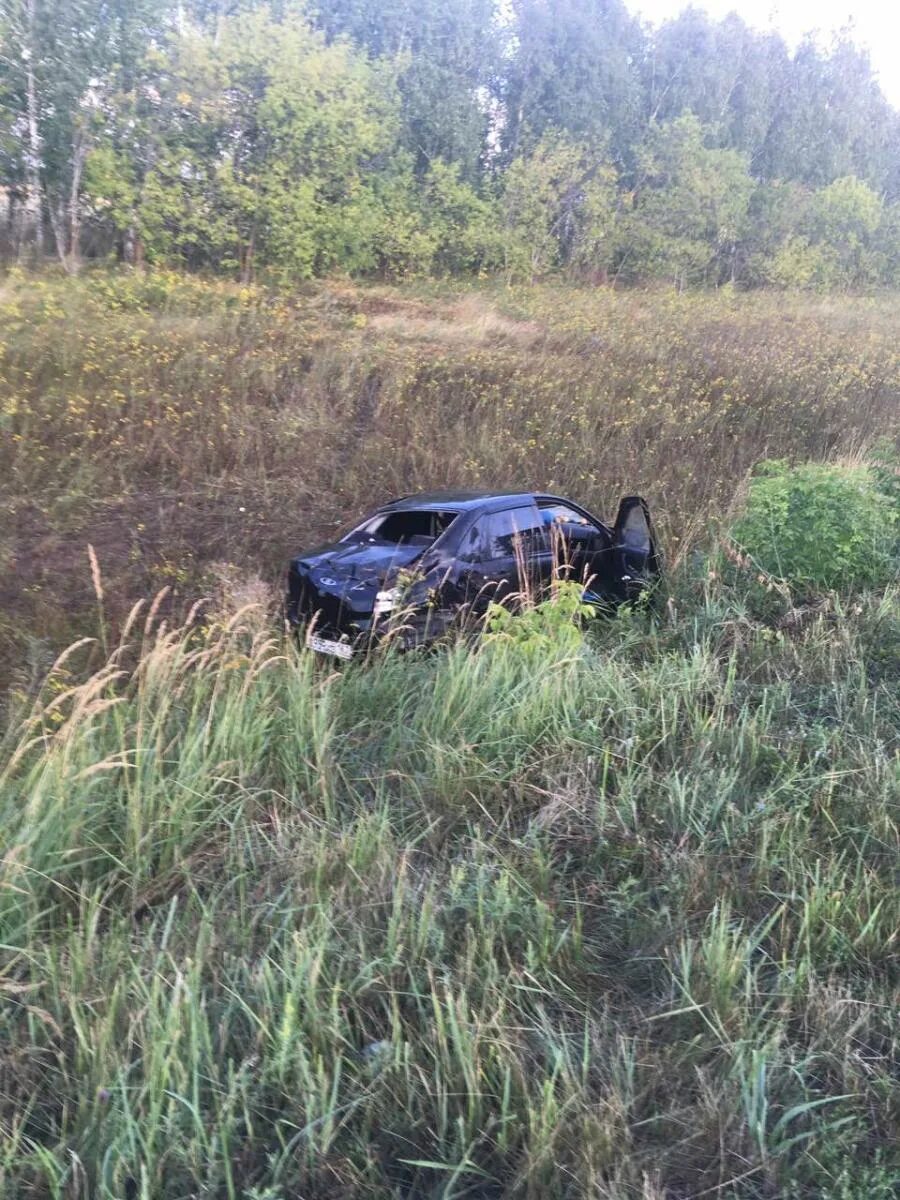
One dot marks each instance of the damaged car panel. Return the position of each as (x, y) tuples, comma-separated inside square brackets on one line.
[(436, 555)]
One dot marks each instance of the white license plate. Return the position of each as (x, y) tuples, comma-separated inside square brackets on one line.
[(326, 646)]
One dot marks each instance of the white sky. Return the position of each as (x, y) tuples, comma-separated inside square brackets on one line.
[(876, 24)]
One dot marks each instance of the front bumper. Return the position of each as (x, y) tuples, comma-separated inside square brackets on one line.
[(350, 618)]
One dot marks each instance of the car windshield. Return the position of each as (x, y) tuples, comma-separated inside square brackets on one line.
[(406, 526)]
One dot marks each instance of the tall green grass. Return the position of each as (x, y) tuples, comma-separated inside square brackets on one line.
[(613, 920)]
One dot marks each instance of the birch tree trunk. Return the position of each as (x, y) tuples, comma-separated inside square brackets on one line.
[(79, 153), (32, 208)]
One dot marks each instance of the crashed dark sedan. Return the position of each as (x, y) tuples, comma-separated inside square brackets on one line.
[(419, 562)]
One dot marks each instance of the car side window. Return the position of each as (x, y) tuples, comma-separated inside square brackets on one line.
[(504, 535)]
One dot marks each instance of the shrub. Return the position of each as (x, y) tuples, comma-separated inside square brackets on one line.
[(819, 525), (554, 622)]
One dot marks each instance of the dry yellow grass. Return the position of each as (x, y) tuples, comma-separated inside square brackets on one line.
[(175, 423)]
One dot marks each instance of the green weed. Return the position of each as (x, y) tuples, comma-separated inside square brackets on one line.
[(618, 922)]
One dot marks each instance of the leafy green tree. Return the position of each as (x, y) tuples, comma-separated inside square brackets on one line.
[(264, 145), (837, 237), (559, 207), (412, 136), (316, 119), (831, 121), (844, 220), (728, 75), (888, 242), (576, 69), (63, 61), (21, 80), (446, 55), (463, 225), (155, 176), (775, 248), (796, 263), (689, 208)]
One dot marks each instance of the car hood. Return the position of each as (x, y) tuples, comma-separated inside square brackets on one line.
[(340, 582)]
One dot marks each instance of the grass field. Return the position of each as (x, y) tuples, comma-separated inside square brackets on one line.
[(614, 917), (190, 429)]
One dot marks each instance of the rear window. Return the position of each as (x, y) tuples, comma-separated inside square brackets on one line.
[(408, 526)]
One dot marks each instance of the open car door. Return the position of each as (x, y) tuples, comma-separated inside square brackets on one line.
[(635, 553)]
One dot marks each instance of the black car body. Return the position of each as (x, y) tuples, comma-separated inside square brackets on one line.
[(431, 556)]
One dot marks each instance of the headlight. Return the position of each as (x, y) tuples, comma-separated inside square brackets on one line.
[(386, 601)]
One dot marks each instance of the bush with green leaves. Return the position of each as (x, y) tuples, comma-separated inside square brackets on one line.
[(820, 525), (555, 622)]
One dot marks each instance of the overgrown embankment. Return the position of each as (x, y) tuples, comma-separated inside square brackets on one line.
[(176, 424), (611, 914)]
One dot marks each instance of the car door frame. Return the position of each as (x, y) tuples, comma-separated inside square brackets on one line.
[(635, 566), (473, 586), (597, 566)]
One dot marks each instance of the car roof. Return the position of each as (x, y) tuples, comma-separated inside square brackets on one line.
[(459, 500)]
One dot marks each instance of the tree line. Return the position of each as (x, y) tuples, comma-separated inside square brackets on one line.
[(398, 138)]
